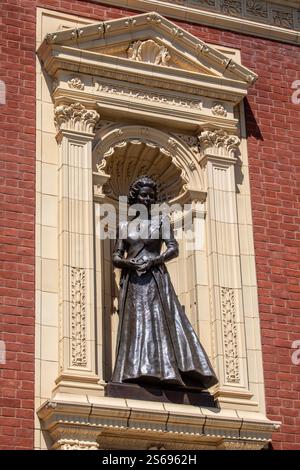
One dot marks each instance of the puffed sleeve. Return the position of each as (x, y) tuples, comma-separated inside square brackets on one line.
[(119, 250), (172, 250)]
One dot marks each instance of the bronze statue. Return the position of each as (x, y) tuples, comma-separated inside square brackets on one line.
[(156, 343)]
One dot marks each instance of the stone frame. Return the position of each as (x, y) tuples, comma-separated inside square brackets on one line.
[(66, 248)]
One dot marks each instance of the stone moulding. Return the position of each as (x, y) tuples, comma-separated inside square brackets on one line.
[(277, 20), (87, 424)]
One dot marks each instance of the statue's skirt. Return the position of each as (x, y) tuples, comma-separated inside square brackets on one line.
[(156, 343)]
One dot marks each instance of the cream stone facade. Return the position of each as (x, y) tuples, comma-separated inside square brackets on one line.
[(117, 99)]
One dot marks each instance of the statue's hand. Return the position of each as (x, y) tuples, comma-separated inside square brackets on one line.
[(131, 264), (148, 264)]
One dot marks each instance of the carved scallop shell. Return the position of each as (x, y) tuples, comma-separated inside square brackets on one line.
[(149, 51), (135, 157)]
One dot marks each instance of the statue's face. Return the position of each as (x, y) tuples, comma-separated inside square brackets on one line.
[(146, 196)]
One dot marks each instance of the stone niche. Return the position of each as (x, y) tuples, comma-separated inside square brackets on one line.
[(133, 96)]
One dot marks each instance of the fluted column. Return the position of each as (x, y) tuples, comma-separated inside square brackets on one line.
[(77, 332), (218, 158)]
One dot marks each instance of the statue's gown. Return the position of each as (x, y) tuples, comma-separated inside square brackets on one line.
[(156, 343)]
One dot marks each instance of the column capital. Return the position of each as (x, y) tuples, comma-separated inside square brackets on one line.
[(75, 117), (218, 144)]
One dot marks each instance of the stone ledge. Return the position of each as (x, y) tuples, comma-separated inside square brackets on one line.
[(88, 422)]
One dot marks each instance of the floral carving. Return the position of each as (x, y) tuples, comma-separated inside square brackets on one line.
[(78, 329), (284, 19), (149, 52), (219, 110), (75, 117), (257, 8), (232, 7), (232, 373), (76, 83)]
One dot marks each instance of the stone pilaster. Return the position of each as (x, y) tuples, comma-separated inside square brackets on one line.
[(219, 152), (77, 337)]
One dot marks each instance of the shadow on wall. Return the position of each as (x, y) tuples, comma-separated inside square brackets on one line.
[(251, 123)]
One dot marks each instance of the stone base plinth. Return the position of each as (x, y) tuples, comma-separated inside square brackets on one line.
[(182, 396)]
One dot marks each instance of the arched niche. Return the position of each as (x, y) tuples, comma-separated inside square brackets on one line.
[(120, 154)]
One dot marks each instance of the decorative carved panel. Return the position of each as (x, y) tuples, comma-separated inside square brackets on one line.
[(78, 300), (230, 335)]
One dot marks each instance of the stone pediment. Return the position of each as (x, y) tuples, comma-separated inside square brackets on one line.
[(144, 47)]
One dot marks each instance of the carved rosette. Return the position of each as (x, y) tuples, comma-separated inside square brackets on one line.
[(149, 52), (219, 110), (232, 373), (78, 329), (76, 83), (75, 117), (218, 142)]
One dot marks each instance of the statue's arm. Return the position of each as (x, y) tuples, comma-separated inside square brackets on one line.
[(118, 254), (172, 249), (118, 259)]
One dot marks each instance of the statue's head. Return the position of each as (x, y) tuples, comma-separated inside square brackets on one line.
[(143, 190)]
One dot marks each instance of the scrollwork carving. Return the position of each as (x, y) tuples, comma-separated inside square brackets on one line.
[(75, 117)]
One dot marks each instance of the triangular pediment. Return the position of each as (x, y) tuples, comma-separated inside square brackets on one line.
[(153, 41)]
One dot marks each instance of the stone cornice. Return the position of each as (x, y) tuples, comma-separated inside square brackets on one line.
[(283, 26), (69, 418)]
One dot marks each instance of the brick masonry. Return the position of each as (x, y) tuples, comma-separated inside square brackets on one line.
[(273, 125)]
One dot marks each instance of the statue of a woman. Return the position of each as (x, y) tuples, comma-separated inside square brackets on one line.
[(156, 343)]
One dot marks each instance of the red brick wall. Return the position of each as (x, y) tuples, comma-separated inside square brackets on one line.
[(273, 124)]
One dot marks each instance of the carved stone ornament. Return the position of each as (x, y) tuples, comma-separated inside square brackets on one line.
[(75, 117), (78, 303), (257, 8), (232, 373), (75, 444), (170, 100), (219, 139), (192, 142), (76, 83), (219, 110), (149, 52), (231, 7)]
